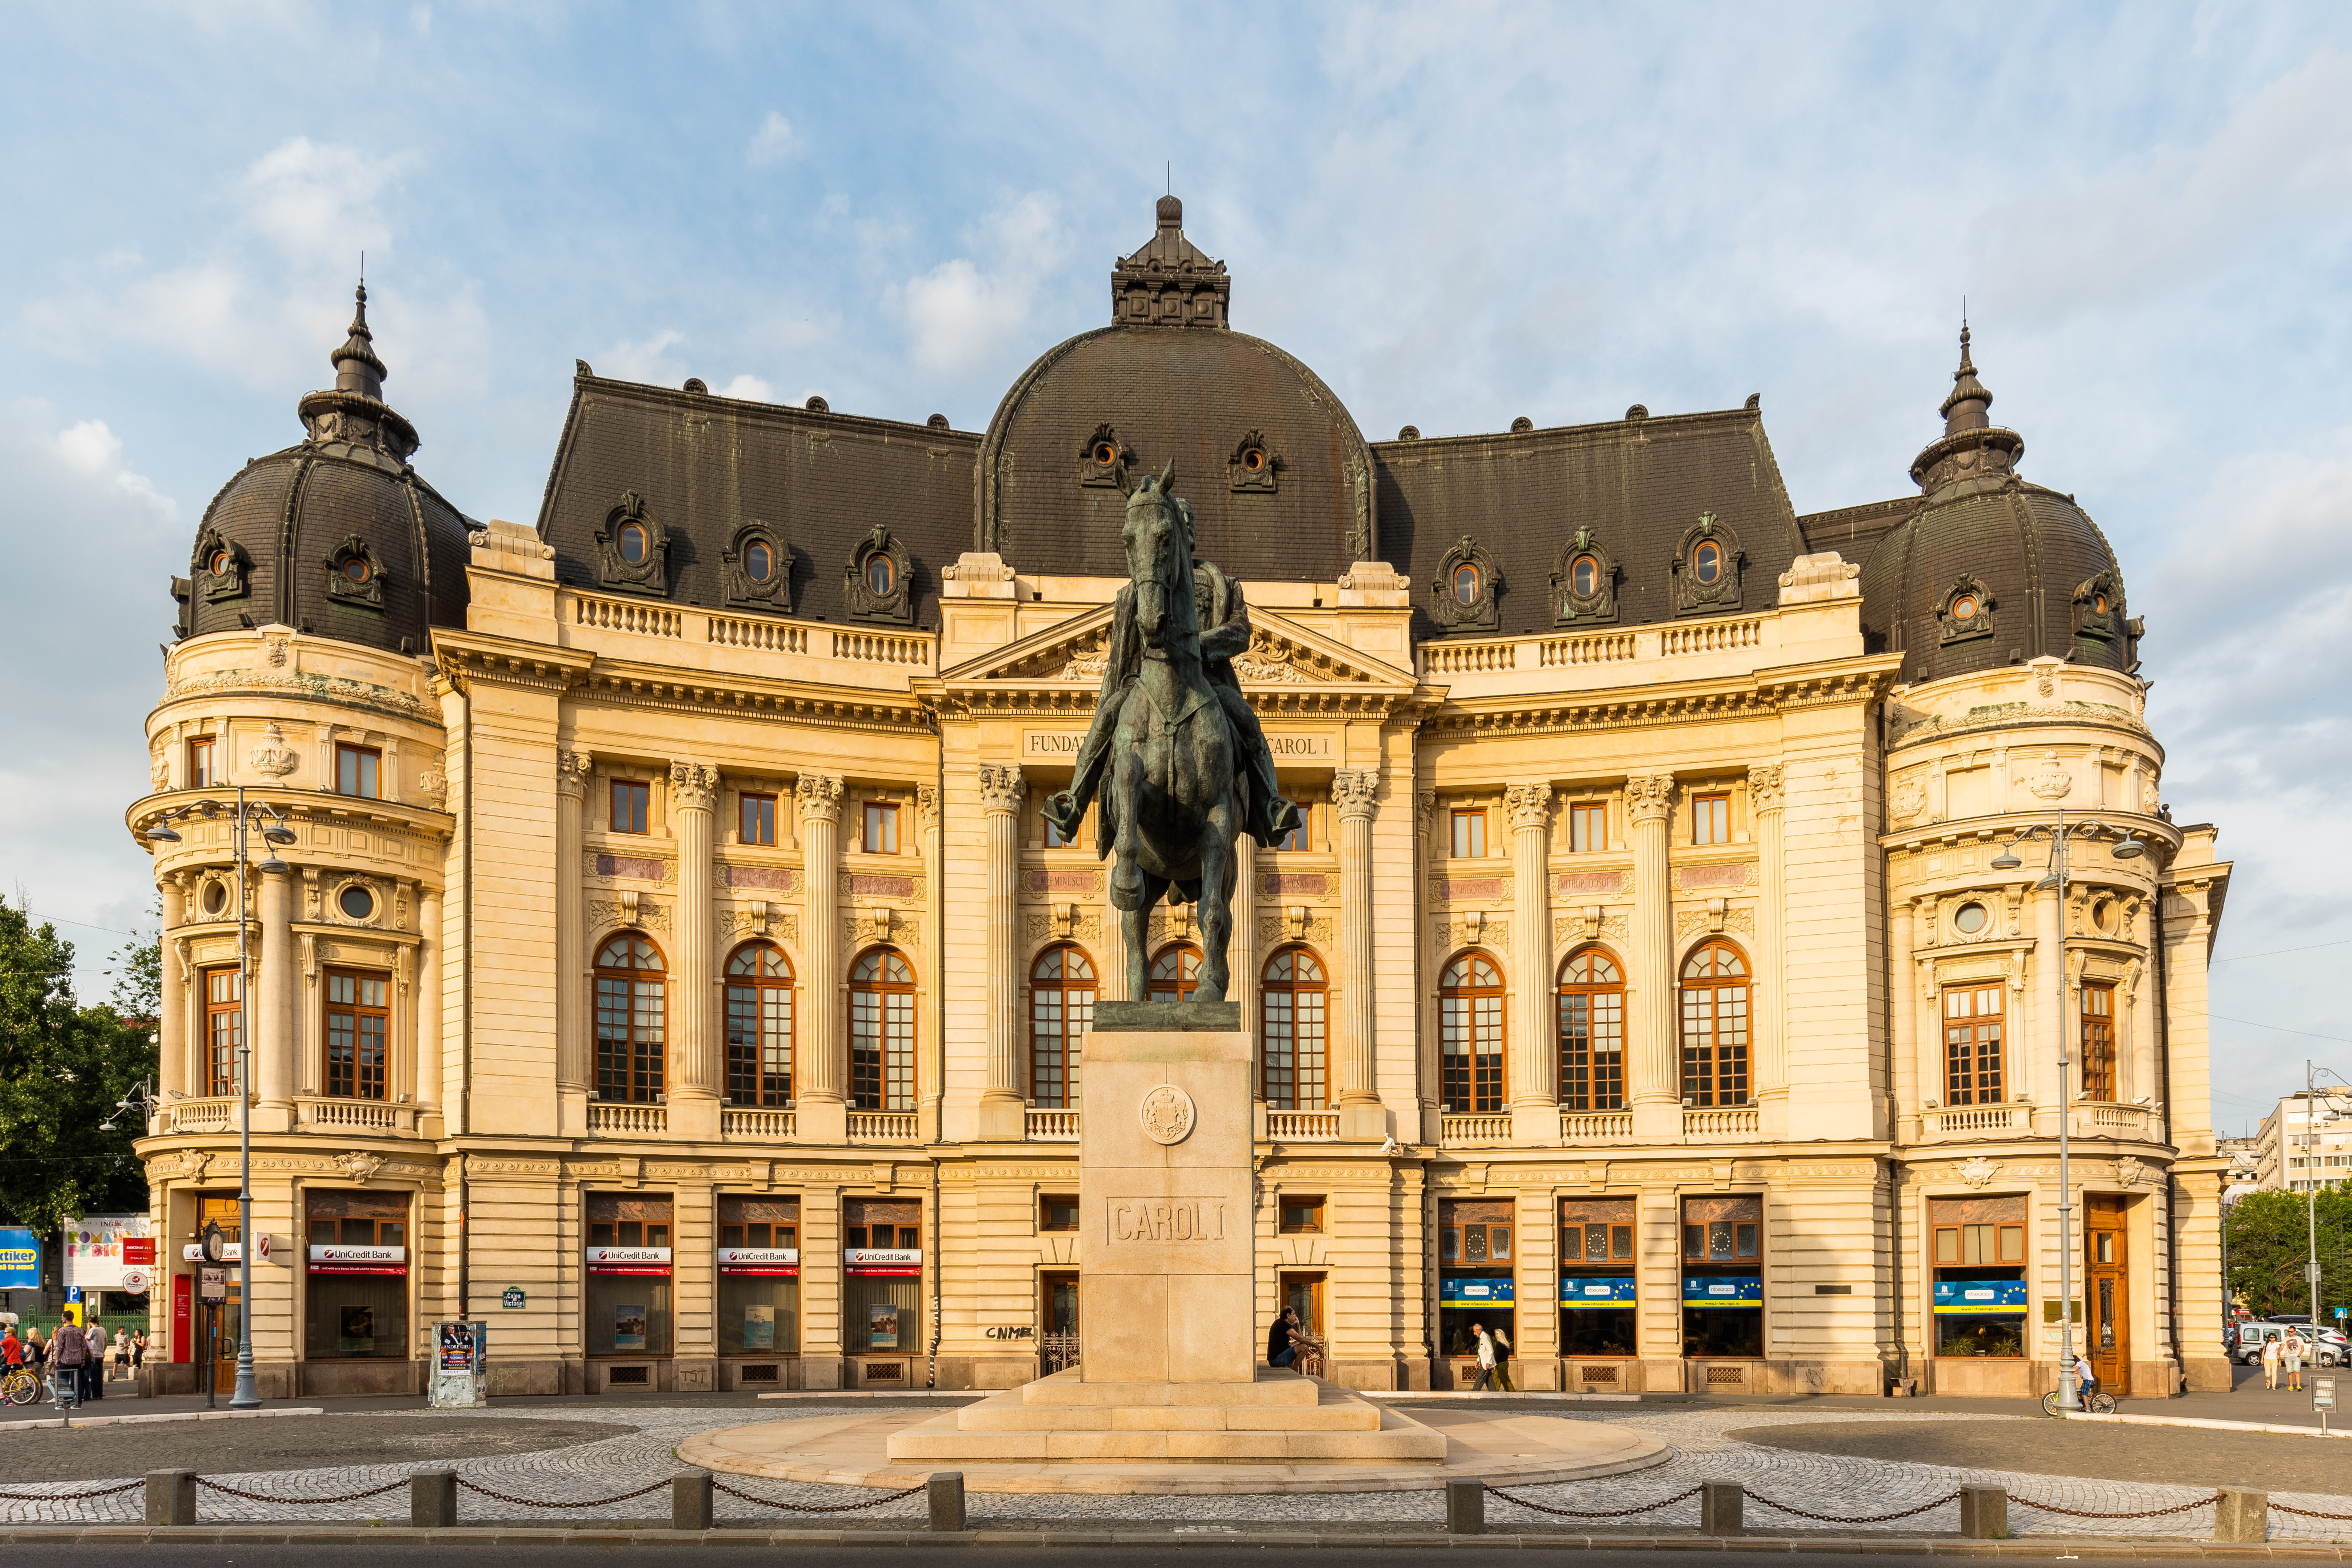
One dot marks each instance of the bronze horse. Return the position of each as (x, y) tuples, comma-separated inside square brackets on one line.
[(1176, 794)]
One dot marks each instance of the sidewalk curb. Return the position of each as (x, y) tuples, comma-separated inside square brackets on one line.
[(1525, 1393), (79, 1423), (2209, 1425), (830, 1395)]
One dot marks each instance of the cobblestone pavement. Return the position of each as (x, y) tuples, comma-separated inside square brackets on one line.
[(639, 1455)]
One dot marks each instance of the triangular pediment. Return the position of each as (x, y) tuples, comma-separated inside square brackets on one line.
[(1282, 653)]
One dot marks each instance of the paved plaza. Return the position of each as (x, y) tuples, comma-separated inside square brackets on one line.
[(567, 1456)]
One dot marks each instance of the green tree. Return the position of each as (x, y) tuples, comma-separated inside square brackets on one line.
[(62, 1069), (137, 969), (2270, 1237)]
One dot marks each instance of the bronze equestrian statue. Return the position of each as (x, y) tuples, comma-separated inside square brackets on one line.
[(1189, 767)]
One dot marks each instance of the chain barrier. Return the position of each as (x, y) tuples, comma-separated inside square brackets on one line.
[(2307, 1513), (304, 1501), (2142, 1513), (1598, 1513), (583, 1503), (816, 1507), (68, 1497), (1864, 1519)]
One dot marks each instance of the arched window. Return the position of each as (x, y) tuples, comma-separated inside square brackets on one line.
[(1175, 972), (1470, 1034), (1060, 1010), (759, 1026), (1715, 1026), (882, 1033), (632, 1019), (1292, 1006), (1591, 1032)]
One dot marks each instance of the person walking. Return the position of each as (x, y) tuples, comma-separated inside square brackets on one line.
[(1502, 1359), (138, 1350), (2291, 1360), (1485, 1382), (2271, 1345), (93, 1377), (69, 1349), (36, 1356)]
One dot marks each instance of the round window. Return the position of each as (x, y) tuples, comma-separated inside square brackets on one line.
[(220, 562), (879, 575), (757, 565), (1707, 561), (1969, 919), (1964, 608), (215, 898), (356, 902), (356, 569), (1466, 584), (2098, 604), (1253, 460), (632, 543), (2106, 915), (1104, 454), (1584, 576)]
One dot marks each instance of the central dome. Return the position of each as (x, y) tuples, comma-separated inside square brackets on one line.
[(1278, 477)]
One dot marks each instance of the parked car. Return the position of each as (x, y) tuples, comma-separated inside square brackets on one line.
[(2334, 1349)]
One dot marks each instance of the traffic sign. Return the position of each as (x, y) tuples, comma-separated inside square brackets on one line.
[(73, 1292)]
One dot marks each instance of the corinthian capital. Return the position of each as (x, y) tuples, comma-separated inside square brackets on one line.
[(1650, 797), (1766, 788), (819, 796), (693, 786), (1353, 790), (571, 773), (1002, 786), (1527, 806)]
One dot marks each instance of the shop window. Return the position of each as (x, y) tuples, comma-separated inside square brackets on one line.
[(1723, 1276), (1060, 1010), (359, 1018), (1057, 1213), (881, 829), (1596, 1277), (2098, 1040), (632, 1004), (1715, 1026), (882, 1276), (759, 819), (1303, 1216), (1175, 973), (632, 803), (1470, 1034), (759, 1026), (1710, 819), (358, 771), (224, 1029), (1979, 1276), (355, 1304), (628, 1303), (1972, 1060), (1591, 1032), (1588, 828), (1470, 834), (203, 763), (882, 1033), (1293, 998), (1475, 1280), (759, 1275)]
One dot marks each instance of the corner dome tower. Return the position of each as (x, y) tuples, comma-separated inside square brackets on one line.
[(337, 535), (1989, 569)]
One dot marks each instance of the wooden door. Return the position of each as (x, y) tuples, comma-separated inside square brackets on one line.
[(2106, 1288), (1057, 1345), (222, 1329), (1305, 1292)]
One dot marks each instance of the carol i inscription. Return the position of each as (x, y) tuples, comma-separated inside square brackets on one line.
[(1167, 1220)]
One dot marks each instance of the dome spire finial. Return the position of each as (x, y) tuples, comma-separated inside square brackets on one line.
[(357, 368), (355, 410), (1964, 408)]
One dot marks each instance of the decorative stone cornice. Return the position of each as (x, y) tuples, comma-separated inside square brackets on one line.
[(694, 786), (1650, 797), (1527, 804), (1353, 790), (1767, 786), (819, 796), (1002, 787)]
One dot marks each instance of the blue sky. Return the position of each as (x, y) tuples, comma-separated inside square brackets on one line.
[(1457, 215)]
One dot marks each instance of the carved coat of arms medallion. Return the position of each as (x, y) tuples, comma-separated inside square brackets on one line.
[(1168, 1114)]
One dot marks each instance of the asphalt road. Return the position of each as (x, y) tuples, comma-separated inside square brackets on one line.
[(2183, 1455), (391, 1554), (279, 1443)]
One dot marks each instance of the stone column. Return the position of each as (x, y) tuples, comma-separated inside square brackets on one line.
[(1903, 988), (1531, 1041), (171, 1028), (573, 1055), (1362, 1118), (821, 1077), (1004, 1102), (2138, 998), (1655, 1083), (427, 1011), (2044, 1040), (273, 1006), (695, 1076), (1768, 993)]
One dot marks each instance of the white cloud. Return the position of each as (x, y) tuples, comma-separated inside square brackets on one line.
[(962, 315), (93, 451), (646, 360), (317, 200), (750, 387), (772, 143)]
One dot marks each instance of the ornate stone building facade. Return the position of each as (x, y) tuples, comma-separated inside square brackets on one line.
[(673, 969)]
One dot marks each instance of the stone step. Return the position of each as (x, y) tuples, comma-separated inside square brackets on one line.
[(1349, 1416), (1064, 1389), (939, 1439)]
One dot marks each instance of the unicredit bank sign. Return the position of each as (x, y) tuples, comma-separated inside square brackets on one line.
[(881, 1260), (628, 1259)]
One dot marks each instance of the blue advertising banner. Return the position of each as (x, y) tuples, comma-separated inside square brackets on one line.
[(1583, 1290), (1724, 1291), (20, 1259), (1979, 1295), (1473, 1292)]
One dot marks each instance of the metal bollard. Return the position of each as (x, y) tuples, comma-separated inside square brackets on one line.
[(689, 1501), (1984, 1513), (2241, 1515), (1722, 1506), (432, 1500), (944, 1492), (171, 1497), (1466, 1508)]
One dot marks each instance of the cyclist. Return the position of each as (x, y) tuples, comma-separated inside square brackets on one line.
[(12, 1348), (2086, 1382)]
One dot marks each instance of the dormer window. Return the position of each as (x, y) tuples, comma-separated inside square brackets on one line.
[(352, 578), (1462, 596), (879, 579), (633, 549), (1707, 561), (632, 543), (1106, 454), (1706, 567), (759, 562), (1466, 585), (1584, 576)]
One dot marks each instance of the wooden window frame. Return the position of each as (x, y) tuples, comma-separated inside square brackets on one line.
[(1179, 986), (886, 1082), (878, 828), (1468, 830), (1590, 1010), (1711, 819), (1717, 1070), (1972, 1038), (353, 1078), (756, 819), (364, 765), (1046, 1204), (1472, 1012), (1061, 1012), (753, 997), (630, 804), (1314, 1205), (632, 1025), (203, 763), (1293, 1074), (2098, 1077), (1588, 827), (223, 1017)]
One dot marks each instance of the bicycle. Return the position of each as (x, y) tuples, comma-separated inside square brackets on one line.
[(21, 1386), (2098, 1402)]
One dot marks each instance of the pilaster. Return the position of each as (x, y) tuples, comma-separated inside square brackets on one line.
[(693, 1042), (1003, 1103), (273, 1008), (1534, 1061), (1767, 796), (1361, 1116), (572, 1049), (1654, 1093), (820, 1094)]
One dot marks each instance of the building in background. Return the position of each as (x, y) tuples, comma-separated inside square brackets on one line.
[(672, 903), (2302, 1143)]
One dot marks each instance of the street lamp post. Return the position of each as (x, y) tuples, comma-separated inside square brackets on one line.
[(274, 832), (2127, 849)]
